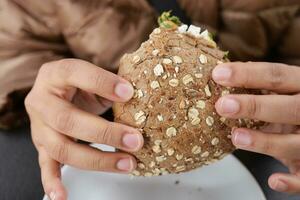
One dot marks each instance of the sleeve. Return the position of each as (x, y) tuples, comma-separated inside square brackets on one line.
[(102, 31), (289, 47), (251, 30), (29, 37)]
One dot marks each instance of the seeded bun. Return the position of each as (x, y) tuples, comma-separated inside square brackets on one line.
[(174, 101)]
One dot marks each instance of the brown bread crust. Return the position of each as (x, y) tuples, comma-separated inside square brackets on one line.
[(174, 103)]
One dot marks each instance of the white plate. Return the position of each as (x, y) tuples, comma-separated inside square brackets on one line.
[(225, 180)]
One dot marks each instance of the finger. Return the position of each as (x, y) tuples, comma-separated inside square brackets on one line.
[(82, 156), (276, 145), (51, 177), (91, 103), (294, 166), (285, 183), (268, 108), (261, 75), (65, 118), (86, 76), (279, 128)]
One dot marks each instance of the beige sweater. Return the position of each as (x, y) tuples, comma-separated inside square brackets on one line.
[(34, 32)]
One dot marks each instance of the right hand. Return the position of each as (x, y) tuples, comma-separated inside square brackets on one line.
[(63, 107)]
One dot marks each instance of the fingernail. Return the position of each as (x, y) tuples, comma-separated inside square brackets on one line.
[(229, 106), (52, 196), (242, 138), (124, 91), (221, 73), (132, 141), (280, 186), (125, 164)]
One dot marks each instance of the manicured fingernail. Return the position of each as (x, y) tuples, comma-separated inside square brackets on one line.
[(279, 186), (133, 141), (52, 196), (124, 91), (229, 106), (125, 164), (241, 138), (221, 73)]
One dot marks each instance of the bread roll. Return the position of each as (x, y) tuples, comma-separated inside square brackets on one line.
[(174, 101)]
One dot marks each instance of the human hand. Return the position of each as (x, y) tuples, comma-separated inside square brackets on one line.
[(63, 107), (281, 139)]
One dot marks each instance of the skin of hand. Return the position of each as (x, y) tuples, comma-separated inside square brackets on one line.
[(280, 109), (64, 106)]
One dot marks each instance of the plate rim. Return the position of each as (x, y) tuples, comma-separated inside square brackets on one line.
[(65, 167), (251, 175)]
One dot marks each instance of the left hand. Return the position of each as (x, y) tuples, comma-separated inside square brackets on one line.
[(281, 139)]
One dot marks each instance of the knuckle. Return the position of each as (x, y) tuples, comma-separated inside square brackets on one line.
[(66, 67), (46, 69), (67, 64), (104, 134), (266, 147), (98, 80), (98, 163), (60, 152), (246, 81), (61, 69), (28, 102), (253, 107), (42, 163), (64, 121), (276, 75), (296, 110)]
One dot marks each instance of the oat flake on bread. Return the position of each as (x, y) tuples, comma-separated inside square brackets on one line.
[(174, 102)]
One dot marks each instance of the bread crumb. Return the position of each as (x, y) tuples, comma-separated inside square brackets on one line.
[(140, 117), (205, 154), (154, 85), (177, 59), (215, 141), (187, 79), (209, 121), (196, 149), (199, 75), (203, 59), (157, 31), (156, 149), (170, 151), (158, 70), (179, 156), (207, 91), (171, 132), (167, 61), (155, 52), (160, 118), (200, 104), (136, 59)]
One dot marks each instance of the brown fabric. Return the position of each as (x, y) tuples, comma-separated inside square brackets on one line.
[(252, 30), (101, 31)]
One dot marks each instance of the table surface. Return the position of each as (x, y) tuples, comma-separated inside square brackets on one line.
[(20, 178)]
